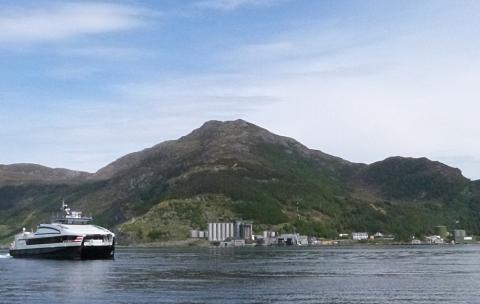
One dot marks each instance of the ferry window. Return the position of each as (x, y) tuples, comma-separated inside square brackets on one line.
[(46, 230), (46, 240)]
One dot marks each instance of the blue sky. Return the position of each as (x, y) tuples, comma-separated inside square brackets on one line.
[(83, 83)]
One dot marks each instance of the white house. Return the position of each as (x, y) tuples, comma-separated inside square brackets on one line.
[(358, 236)]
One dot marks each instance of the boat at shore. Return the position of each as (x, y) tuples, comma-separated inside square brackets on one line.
[(69, 236)]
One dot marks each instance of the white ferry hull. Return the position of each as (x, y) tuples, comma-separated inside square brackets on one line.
[(80, 252)]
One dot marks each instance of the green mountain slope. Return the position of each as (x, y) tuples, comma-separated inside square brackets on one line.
[(234, 169)]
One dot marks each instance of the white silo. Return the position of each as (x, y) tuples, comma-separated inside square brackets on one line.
[(210, 231)]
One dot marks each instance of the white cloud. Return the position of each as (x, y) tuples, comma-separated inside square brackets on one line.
[(229, 5), (56, 22)]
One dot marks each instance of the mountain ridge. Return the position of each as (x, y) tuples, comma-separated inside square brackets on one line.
[(253, 174), (20, 173)]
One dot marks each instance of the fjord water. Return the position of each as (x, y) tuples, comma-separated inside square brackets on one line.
[(371, 274)]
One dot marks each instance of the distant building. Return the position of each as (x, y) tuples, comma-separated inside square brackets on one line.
[(303, 240), (434, 240), (416, 242), (200, 234), (238, 230), (232, 243), (288, 239), (266, 239), (194, 234), (459, 236), (245, 230), (268, 234), (359, 236), (441, 231), (383, 237), (218, 232)]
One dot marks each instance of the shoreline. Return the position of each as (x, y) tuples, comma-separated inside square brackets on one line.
[(196, 243), (205, 243)]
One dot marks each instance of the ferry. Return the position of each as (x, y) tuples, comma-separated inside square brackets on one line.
[(69, 236)]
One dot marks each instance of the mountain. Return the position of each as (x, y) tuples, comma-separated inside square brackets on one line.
[(234, 169), (414, 178), (19, 174)]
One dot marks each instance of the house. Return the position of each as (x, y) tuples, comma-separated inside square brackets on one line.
[(434, 240), (359, 236)]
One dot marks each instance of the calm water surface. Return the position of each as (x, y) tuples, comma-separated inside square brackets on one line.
[(443, 274)]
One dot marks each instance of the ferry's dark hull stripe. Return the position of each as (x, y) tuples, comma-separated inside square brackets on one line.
[(69, 253)]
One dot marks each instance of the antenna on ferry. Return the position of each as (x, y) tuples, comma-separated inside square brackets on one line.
[(65, 207)]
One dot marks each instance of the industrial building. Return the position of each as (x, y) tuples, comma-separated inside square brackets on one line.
[(266, 239), (239, 230), (461, 237), (198, 234), (288, 239)]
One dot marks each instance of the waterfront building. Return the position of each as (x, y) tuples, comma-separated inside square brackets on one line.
[(246, 232), (459, 236), (383, 237), (266, 239), (268, 234), (198, 234), (292, 239), (194, 234), (441, 231), (288, 239), (359, 236), (219, 232), (232, 243), (434, 240), (302, 240)]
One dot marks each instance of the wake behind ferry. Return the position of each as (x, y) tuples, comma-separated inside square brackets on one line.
[(69, 236)]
